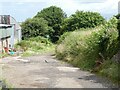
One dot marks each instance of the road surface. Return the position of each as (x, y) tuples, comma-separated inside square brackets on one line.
[(45, 71)]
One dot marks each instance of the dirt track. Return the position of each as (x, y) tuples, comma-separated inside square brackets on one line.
[(45, 71)]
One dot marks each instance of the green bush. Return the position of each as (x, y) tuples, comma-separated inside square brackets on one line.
[(54, 16), (62, 37), (92, 49), (82, 19), (34, 45), (84, 48), (111, 70), (75, 49), (35, 27)]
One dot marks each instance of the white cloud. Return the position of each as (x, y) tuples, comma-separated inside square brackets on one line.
[(75, 4), (70, 6), (106, 6)]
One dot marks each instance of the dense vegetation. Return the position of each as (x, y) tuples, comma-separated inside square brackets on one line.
[(118, 26), (34, 46), (82, 19), (92, 49), (34, 27), (55, 16), (85, 39), (46, 23), (52, 22)]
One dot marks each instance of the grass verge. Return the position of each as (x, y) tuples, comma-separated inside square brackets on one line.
[(34, 46)]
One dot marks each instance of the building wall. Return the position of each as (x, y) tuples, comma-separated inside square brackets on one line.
[(4, 44), (14, 32), (5, 32), (16, 35)]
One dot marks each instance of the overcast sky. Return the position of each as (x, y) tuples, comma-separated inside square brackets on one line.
[(23, 9)]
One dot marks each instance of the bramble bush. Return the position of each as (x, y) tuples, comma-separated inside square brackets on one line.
[(85, 48)]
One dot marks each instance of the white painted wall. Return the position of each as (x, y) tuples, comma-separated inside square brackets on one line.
[(16, 34)]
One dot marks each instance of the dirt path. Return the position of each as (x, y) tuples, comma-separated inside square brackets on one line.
[(45, 71)]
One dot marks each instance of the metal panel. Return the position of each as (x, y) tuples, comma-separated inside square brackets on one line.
[(5, 32), (5, 19)]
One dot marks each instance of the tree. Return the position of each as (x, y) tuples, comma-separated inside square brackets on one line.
[(82, 19), (35, 27), (55, 16), (118, 26)]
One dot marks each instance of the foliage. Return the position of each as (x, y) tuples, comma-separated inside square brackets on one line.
[(118, 26), (92, 49), (111, 70), (76, 50), (85, 48), (35, 45), (62, 37), (109, 43), (2, 55), (82, 19), (117, 16), (54, 15), (35, 27)]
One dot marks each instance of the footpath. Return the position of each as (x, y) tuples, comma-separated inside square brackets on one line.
[(45, 71)]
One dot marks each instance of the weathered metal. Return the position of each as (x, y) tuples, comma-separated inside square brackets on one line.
[(10, 31), (5, 31)]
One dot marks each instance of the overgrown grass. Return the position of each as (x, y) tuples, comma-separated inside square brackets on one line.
[(2, 55), (34, 46), (7, 84), (91, 49), (111, 70), (79, 48)]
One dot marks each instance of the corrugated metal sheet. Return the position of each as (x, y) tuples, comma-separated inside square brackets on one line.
[(4, 19), (5, 32), (5, 25), (13, 33)]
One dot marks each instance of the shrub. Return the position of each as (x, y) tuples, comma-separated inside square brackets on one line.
[(35, 27), (77, 50), (85, 48), (35, 45), (111, 70), (54, 16), (82, 19)]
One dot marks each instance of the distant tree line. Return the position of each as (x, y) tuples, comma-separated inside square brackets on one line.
[(52, 22)]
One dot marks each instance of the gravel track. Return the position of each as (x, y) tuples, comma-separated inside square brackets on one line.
[(45, 71)]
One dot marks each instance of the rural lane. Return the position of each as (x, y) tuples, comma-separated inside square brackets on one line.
[(45, 71)]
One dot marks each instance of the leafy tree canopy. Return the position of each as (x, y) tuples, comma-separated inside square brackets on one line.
[(118, 26), (35, 27), (55, 16), (82, 19)]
